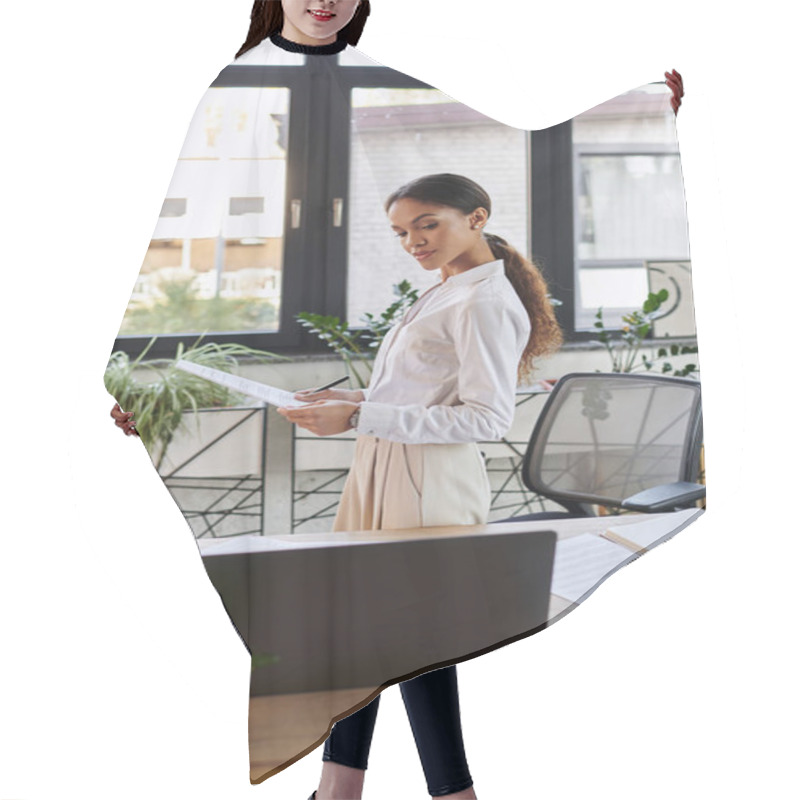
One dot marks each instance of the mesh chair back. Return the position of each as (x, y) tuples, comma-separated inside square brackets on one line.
[(603, 437)]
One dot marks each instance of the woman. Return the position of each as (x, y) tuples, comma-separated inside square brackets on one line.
[(432, 423), (444, 378)]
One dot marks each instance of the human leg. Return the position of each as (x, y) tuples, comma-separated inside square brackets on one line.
[(431, 701), (346, 753), (351, 737), (392, 485)]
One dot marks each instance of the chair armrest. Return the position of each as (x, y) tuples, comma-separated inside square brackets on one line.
[(667, 497)]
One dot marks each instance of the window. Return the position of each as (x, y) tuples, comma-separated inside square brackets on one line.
[(608, 213), (300, 156), (401, 134), (173, 207), (215, 260)]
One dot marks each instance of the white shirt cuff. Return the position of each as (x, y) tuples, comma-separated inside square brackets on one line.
[(375, 419)]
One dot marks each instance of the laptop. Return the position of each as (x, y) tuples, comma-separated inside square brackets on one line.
[(323, 617)]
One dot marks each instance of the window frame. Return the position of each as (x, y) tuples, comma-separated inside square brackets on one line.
[(610, 149), (318, 144)]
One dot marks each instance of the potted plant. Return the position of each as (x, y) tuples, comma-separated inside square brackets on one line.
[(358, 349), (158, 393), (624, 348)]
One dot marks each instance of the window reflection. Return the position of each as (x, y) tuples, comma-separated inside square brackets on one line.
[(215, 259), (629, 202), (402, 134)]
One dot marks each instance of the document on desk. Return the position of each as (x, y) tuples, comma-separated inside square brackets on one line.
[(261, 391), (650, 532), (583, 561)]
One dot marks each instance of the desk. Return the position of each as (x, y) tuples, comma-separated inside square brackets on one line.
[(285, 727)]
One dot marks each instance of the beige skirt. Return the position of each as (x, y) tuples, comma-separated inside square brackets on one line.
[(396, 485)]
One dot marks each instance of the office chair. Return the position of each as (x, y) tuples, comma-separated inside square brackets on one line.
[(621, 440)]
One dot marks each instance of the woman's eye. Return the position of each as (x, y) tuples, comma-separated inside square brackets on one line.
[(429, 227)]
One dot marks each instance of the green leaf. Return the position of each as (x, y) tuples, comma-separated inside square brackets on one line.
[(654, 301)]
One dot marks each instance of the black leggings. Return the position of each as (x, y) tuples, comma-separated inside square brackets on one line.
[(431, 701)]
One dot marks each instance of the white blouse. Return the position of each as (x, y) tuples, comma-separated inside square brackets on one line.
[(448, 371)]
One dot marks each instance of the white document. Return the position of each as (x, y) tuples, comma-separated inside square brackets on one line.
[(261, 391), (649, 532), (583, 561)]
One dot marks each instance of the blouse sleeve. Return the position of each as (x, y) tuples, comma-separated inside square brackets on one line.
[(490, 338)]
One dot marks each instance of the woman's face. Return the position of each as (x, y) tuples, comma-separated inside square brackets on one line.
[(316, 21), (439, 237)]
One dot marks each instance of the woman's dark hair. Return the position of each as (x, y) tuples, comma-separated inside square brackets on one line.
[(463, 194), (266, 18)]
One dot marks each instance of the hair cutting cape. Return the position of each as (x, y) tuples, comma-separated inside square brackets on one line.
[(276, 208)]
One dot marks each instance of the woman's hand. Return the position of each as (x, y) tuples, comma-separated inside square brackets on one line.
[(675, 83), (348, 395), (324, 417), (124, 420)]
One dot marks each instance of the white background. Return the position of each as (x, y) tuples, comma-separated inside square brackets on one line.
[(120, 675)]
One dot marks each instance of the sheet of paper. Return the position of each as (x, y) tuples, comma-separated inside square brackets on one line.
[(651, 531), (261, 391), (581, 562)]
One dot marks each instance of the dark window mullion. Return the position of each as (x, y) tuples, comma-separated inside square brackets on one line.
[(552, 212), (338, 149), (299, 256)]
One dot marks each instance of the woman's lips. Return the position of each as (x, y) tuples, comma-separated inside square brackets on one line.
[(422, 256), (323, 16)]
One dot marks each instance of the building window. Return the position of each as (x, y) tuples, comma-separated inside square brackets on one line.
[(629, 203), (402, 134), (276, 203), (216, 257)]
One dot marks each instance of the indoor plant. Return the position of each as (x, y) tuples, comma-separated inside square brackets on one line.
[(158, 393)]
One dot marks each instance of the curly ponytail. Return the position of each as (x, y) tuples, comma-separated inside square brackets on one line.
[(530, 285)]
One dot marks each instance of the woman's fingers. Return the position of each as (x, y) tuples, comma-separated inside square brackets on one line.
[(310, 394), (323, 417), (674, 81), (124, 420), (302, 412), (675, 77), (299, 416)]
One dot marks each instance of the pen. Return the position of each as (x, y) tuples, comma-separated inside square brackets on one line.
[(331, 385)]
